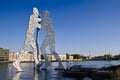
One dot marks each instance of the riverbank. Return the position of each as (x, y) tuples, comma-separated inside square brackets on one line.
[(1, 62), (29, 61)]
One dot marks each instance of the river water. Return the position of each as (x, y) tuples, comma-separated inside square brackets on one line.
[(8, 72)]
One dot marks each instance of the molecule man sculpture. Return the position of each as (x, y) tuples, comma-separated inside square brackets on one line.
[(33, 24)]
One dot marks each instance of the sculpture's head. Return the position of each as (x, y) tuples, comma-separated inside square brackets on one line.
[(35, 11), (46, 13)]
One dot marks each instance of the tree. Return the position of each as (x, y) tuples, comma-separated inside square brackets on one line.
[(117, 57), (67, 56), (108, 56), (76, 56)]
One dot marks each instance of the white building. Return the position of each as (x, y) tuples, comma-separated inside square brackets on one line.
[(52, 58)]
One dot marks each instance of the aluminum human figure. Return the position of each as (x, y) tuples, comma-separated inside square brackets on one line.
[(49, 40), (30, 41)]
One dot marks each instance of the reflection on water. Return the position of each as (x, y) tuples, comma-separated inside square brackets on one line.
[(50, 74), (17, 76), (30, 74), (8, 72), (3, 71), (97, 64), (36, 75), (40, 75)]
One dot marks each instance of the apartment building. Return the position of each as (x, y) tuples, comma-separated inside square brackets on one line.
[(4, 54)]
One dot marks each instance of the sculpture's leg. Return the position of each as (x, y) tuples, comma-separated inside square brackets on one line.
[(52, 49), (16, 64), (20, 56), (42, 48), (58, 60), (37, 47), (33, 44)]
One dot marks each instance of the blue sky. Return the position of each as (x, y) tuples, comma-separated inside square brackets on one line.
[(81, 26)]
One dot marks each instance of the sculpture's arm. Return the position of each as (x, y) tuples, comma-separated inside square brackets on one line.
[(35, 21), (46, 22), (43, 24), (38, 24), (38, 19)]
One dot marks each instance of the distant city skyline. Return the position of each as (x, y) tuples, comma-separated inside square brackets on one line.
[(81, 26)]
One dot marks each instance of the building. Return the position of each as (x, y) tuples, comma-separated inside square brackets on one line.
[(29, 57), (12, 56), (71, 58), (4, 54), (52, 58)]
